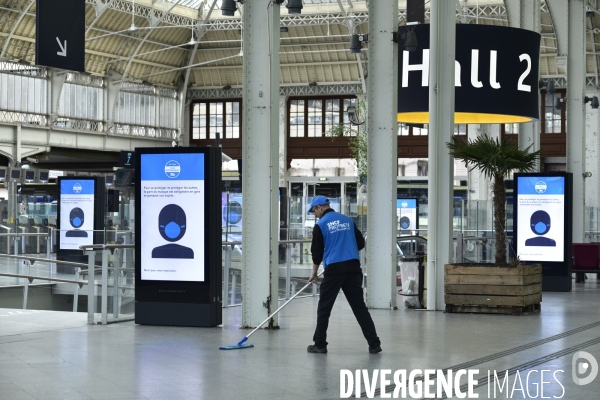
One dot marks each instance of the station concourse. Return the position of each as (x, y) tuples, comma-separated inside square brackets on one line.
[(303, 98)]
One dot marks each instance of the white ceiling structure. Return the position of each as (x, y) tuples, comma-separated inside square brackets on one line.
[(151, 40)]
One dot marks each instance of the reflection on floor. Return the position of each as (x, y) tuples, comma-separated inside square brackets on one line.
[(127, 361)]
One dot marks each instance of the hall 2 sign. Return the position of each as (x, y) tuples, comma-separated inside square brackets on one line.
[(496, 73)]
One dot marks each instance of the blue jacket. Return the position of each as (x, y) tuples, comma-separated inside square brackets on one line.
[(339, 238)]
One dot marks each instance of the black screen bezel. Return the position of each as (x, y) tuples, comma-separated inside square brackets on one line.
[(559, 269), (185, 291)]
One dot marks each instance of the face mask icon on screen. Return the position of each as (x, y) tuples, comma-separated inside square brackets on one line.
[(172, 225), (404, 223), (76, 219), (540, 224)]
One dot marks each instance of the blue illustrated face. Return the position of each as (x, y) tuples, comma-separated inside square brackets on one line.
[(540, 222), (404, 222), (76, 217), (172, 222)]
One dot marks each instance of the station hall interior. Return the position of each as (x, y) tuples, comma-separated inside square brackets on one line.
[(303, 98)]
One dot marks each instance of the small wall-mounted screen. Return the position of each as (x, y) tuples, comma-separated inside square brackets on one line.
[(2, 174), (15, 174), (109, 180), (44, 175), (29, 176), (123, 177)]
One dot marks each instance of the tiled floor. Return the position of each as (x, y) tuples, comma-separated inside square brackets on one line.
[(48, 355)]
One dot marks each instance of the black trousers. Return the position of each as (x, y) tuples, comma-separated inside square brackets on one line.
[(351, 284)]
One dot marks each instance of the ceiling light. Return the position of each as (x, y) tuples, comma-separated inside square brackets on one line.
[(228, 8), (226, 87), (410, 41), (312, 84), (294, 7), (593, 101), (355, 44)]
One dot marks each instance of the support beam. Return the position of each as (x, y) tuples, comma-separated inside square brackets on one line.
[(526, 14), (576, 67), (382, 128), (184, 103), (260, 138), (441, 165)]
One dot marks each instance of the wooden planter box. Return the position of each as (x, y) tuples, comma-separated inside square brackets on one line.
[(493, 289)]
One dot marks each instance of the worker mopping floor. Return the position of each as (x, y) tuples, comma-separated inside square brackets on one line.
[(242, 343)]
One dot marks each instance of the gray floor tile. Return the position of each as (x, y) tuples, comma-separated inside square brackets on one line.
[(125, 360)]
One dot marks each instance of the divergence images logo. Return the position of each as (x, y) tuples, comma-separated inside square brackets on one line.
[(172, 169), (77, 188), (540, 187), (581, 368), (404, 204)]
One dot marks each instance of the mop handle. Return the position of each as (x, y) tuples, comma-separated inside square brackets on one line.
[(283, 305)]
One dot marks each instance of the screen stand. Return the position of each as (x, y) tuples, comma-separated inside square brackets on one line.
[(177, 314)]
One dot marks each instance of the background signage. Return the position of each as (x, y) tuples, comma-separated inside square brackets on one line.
[(407, 213), (496, 76), (60, 34), (542, 225), (76, 213)]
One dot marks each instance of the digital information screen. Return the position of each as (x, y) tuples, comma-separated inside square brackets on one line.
[(172, 217), (407, 213), (541, 222), (76, 213)]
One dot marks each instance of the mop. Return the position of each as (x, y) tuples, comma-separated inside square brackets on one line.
[(242, 344)]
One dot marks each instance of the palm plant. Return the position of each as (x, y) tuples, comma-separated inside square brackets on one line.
[(495, 159)]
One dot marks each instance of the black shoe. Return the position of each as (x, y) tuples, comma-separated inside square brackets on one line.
[(375, 350), (314, 349)]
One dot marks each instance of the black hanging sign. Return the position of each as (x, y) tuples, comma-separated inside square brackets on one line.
[(496, 76), (60, 34)]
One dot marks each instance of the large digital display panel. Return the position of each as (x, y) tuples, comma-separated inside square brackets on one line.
[(541, 218), (172, 217), (76, 213), (407, 213)]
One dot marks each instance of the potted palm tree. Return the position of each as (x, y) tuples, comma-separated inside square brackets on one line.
[(505, 288)]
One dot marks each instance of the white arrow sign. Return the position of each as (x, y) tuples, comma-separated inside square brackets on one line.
[(63, 49)]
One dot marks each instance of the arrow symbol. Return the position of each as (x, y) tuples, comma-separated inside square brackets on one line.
[(63, 49)]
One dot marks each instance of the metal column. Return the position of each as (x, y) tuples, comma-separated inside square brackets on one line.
[(441, 165), (260, 156), (526, 14), (382, 159), (576, 72)]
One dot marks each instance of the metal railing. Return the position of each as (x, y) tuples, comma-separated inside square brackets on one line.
[(20, 237), (118, 283), (114, 277), (230, 274), (28, 260)]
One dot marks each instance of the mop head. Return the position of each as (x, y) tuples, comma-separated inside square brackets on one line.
[(236, 346), (241, 344)]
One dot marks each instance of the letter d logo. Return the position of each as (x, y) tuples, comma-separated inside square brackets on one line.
[(581, 367)]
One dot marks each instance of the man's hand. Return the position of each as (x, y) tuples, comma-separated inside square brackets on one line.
[(314, 278)]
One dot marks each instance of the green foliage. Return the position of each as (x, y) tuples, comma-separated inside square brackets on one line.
[(357, 138), (493, 157)]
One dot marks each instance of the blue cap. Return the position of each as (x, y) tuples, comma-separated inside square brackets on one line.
[(318, 201)]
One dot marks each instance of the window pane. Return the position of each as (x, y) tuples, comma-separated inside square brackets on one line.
[(402, 130), (297, 118), (315, 116)]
